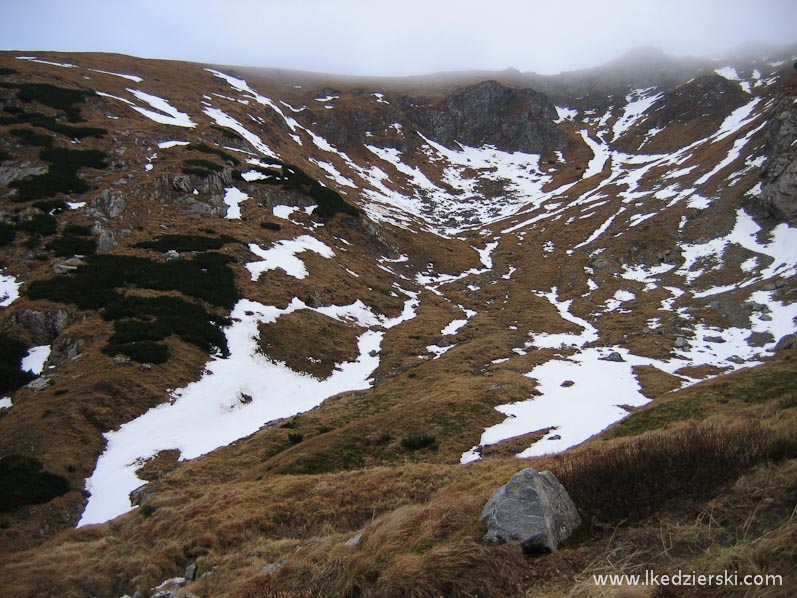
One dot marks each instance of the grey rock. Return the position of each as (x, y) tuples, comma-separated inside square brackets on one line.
[(779, 174), (171, 255), (786, 342), (66, 347), (142, 495), (111, 203), (736, 359), (137, 594), (106, 239), (354, 540), (759, 339), (532, 510), (190, 572), (496, 387), (44, 325), (39, 383), (443, 343), (63, 269), (121, 360), (681, 343), (273, 567), (713, 339), (13, 171), (567, 384), (613, 356)]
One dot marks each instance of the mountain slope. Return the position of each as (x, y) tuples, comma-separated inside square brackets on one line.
[(294, 276)]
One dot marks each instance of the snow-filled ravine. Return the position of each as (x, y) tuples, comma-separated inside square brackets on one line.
[(235, 396)]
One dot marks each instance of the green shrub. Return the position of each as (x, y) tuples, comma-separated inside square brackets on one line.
[(201, 168), (270, 225), (206, 149), (77, 230), (62, 175), (23, 482), (40, 224), (50, 123), (140, 321), (31, 137), (7, 234), (12, 376), (142, 351), (330, 202), (229, 133), (5, 71), (50, 95), (182, 243), (5, 156), (295, 437), (418, 441), (51, 206), (72, 245)]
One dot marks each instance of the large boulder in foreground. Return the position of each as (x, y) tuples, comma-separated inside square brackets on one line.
[(532, 510)]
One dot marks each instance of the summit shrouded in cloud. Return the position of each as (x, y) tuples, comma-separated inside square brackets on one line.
[(363, 38)]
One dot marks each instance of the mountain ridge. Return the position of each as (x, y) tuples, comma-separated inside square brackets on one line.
[(459, 273)]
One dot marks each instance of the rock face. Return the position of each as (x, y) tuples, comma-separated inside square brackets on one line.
[(532, 510), (493, 114), (779, 176)]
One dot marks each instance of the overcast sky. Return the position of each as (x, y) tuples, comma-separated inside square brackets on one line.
[(399, 37)]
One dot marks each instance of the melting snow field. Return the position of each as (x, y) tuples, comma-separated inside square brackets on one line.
[(233, 198), (282, 255), (163, 113), (234, 397), (34, 361), (575, 412), (9, 290)]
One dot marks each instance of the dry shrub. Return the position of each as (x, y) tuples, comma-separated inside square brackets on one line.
[(638, 478)]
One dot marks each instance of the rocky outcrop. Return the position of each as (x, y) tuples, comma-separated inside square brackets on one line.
[(489, 113), (44, 326), (532, 510), (14, 171), (779, 175), (492, 114), (111, 203)]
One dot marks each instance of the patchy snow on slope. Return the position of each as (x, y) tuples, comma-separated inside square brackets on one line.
[(9, 290), (163, 112), (639, 101), (574, 412), (34, 361), (730, 74), (235, 396), (5, 403), (454, 326), (223, 120), (168, 144), (546, 340), (333, 173), (600, 155), (233, 198), (34, 59), (781, 248), (134, 78), (282, 255), (649, 275), (620, 297), (564, 113)]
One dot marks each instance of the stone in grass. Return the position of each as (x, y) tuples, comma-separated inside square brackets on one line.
[(532, 510)]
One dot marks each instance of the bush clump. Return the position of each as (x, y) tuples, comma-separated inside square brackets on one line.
[(23, 481), (181, 243), (8, 233), (418, 441), (51, 124), (62, 176), (70, 245), (201, 168), (31, 137), (141, 321), (12, 376), (206, 149), (59, 98), (639, 478), (40, 224)]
